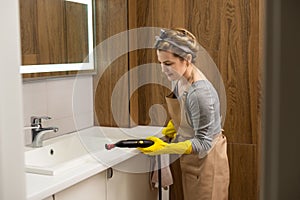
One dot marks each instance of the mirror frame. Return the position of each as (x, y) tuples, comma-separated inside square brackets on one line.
[(86, 66)]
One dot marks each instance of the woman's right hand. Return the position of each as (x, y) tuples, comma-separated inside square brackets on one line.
[(169, 131)]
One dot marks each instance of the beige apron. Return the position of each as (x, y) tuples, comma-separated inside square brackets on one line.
[(203, 176)]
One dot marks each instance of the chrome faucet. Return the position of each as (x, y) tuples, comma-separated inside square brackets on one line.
[(38, 131)]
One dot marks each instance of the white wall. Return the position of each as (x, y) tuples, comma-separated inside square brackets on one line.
[(12, 176), (68, 101)]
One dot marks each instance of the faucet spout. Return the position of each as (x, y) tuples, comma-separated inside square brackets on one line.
[(38, 135)]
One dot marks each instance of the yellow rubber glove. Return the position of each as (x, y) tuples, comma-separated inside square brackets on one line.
[(169, 131), (161, 147)]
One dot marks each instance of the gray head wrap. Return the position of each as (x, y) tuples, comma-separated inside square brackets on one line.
[(164, 38)]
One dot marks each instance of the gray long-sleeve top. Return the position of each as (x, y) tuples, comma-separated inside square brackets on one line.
[(203, 107)]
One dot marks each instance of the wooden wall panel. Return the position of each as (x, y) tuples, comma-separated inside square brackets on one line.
[(243, 171), (154, 14), (205, 23), (111, 18), (203, 20), (234, 66)]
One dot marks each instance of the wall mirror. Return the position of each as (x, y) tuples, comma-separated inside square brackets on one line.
[(56, 35)]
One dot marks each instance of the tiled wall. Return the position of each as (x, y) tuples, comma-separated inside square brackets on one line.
[(68, 101)]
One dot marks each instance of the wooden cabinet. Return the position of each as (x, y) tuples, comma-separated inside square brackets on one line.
[(93, 188)]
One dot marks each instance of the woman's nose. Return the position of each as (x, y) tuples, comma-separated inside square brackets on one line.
[(164, 68)]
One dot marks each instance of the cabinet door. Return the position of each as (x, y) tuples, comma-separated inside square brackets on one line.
[(129, 186), (93, 188)]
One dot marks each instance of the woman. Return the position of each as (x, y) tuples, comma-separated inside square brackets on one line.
[(195, 125)]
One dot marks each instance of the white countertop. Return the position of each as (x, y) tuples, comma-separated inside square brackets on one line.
[(43, 186)]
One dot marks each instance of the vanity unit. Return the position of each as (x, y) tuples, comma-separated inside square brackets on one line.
[(77, 166)]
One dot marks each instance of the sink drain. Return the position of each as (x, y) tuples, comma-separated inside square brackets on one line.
[(51, 152)]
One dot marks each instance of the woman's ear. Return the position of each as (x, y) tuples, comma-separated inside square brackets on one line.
[(189, 58)]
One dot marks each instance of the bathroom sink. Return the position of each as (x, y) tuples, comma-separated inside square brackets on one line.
[(61, 154), (66, 152)]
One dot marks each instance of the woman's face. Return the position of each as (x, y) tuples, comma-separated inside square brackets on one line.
[(172, 66)]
